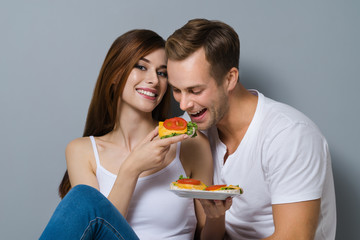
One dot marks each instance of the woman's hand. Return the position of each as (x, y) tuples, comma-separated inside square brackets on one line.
[(151, 152)]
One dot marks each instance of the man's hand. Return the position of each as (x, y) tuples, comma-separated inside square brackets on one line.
[(215, 208), (215, 218)]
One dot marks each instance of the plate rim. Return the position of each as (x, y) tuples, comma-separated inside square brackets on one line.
[(207, 193)]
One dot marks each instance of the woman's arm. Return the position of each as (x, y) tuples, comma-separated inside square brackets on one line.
[(149, 154), (82, 170), (80, 163)]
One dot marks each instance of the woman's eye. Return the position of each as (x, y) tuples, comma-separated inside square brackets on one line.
[(140, 67), (163, 74)]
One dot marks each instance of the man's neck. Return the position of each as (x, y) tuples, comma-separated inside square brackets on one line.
[(232, 128)]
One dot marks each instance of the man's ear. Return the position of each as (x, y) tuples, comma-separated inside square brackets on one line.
[(231, 78)]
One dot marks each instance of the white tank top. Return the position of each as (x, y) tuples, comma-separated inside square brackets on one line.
[(154, 211)]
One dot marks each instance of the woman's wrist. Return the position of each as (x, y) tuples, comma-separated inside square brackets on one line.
[(129, 169)]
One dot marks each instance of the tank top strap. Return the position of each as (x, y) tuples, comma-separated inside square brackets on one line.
[(96, 153)]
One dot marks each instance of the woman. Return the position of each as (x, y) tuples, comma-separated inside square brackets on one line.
[(121, 156)]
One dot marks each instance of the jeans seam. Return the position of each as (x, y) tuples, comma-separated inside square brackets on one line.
[(106, 224)]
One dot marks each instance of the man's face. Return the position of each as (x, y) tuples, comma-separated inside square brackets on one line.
[(197, 91)]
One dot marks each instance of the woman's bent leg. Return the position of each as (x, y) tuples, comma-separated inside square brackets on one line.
[(85, 213)]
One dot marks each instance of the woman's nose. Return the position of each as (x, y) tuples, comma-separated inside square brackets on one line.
[(152, 78)]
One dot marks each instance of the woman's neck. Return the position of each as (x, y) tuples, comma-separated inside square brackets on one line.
[(131, 127)]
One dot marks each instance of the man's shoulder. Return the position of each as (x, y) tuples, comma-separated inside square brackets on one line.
[(275, 113)]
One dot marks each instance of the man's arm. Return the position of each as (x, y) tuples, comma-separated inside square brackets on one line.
[(198, 163), (296, 221), (297, 159), (214, 227)]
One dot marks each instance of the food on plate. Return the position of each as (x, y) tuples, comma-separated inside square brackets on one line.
[(224, 188), (193, 184), (214, 187), (176, 126), (187, 183)]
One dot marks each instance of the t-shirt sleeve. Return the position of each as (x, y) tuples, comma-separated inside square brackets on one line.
[(295, 166)]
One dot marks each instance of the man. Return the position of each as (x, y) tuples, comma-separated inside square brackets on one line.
[(274, 152)]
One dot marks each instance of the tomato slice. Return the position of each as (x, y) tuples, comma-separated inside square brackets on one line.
[(175, 123), (214, 187), (189, 181)]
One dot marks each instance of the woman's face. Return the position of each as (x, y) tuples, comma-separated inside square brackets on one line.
[(147, 82)]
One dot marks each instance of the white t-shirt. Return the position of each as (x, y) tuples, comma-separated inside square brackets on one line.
[(283, 158)]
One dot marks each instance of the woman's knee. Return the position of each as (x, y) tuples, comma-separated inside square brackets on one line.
[(83, 197), (82, 190)]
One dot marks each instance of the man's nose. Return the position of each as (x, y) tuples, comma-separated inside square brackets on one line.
[(185, 103)]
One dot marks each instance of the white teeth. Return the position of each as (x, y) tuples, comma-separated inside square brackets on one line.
[(147, 93), (196, 112)]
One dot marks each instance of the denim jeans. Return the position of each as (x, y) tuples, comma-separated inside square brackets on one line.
[(85, 213)]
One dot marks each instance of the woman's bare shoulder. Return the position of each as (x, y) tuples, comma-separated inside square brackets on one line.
[(79, 147), (80, 142)]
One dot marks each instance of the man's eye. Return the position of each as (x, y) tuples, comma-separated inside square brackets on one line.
[(163, 74), (195, 92), (140, 67), (176, 90)]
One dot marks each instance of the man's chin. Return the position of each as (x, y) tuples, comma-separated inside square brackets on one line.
[(202, 126)]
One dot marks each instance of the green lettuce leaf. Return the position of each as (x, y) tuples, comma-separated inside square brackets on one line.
[(191, 129)]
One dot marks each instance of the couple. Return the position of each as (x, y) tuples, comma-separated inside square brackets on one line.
[(120, 171)]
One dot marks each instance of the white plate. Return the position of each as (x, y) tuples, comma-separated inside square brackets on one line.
[(203, 194)]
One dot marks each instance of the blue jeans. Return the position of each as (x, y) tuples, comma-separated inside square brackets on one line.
[(85, 213)]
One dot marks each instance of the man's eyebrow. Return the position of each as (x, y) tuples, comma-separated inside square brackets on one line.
[(189, 88)]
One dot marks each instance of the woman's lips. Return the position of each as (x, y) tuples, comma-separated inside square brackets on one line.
[(147, 93)]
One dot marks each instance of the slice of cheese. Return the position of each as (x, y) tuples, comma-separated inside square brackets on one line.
[(164, 131), (177, 186)]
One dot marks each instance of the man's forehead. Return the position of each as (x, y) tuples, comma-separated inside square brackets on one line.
[(177, 83), (185, 85), (188, 82)]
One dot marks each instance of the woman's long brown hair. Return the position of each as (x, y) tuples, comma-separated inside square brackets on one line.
[(121, 58)]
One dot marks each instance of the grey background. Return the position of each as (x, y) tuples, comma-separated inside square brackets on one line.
[(304, 53)]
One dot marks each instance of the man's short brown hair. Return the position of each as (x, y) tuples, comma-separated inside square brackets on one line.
[(219, 40)]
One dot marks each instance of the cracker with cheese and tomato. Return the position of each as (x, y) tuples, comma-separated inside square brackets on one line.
[(225, 188), (176, 126), (188, 184), (193, 184)]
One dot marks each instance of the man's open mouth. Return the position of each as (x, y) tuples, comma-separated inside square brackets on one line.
[(198, 114)]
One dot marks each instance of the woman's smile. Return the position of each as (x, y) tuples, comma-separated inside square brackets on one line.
[(147, 93)]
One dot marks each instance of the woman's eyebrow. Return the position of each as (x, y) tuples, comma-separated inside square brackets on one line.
[(148, 61), (144, 59)]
